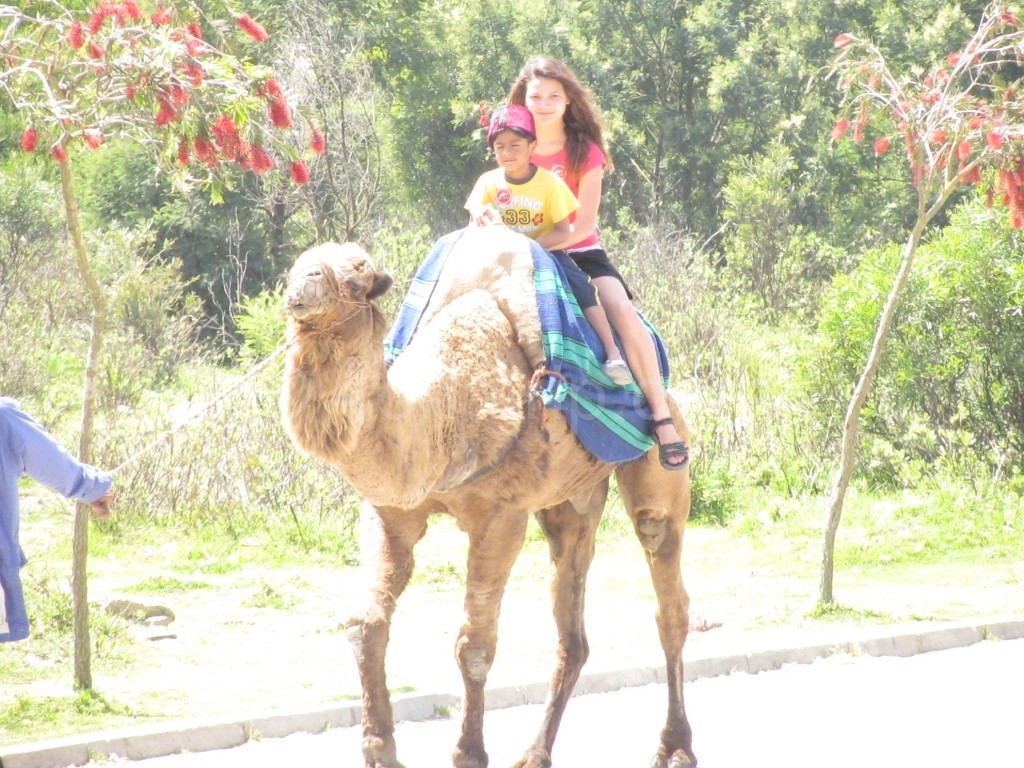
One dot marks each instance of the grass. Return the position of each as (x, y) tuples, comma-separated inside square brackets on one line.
[(259, 614), (86, 709)]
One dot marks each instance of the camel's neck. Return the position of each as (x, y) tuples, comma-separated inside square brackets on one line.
[(335, 386)]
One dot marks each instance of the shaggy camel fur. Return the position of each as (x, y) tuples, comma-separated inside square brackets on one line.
[(447, 430)]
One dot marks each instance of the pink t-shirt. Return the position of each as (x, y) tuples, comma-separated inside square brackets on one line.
[(557, 163)]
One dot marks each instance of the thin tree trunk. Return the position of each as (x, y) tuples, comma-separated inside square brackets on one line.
[(80, 540), (848, 448)]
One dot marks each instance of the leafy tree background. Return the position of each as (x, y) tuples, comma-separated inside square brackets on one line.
[(759, 247)]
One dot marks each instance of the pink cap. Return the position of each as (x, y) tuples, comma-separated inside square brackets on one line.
[(513, 117)]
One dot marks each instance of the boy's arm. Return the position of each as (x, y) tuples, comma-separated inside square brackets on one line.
[(559, 237), (561, 202), (480, 205)]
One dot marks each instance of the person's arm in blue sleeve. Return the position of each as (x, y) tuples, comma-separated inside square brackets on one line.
[(42, 458)]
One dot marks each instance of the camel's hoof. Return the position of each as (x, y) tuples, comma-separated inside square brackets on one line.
[(469, 759), (534, 759), (678, 759)]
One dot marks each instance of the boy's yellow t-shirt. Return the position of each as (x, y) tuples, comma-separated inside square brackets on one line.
[(531, 208)]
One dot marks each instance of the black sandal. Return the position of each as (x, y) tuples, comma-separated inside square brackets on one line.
[(670, 450)]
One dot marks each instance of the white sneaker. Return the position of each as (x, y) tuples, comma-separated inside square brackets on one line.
[(618, 372)]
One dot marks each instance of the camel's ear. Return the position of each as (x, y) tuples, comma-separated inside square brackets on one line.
[(381, 283)]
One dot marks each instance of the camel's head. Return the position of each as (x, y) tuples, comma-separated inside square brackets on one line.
[(329, 278)]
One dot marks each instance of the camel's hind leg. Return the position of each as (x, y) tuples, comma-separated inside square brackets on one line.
[(570, 529), (658, 503), (369, 632), (495, 540)]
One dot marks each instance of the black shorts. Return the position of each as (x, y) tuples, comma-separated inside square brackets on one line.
[(579, 282), (595, 262)]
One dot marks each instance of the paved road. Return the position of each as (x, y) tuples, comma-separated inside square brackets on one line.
[(960, 707)]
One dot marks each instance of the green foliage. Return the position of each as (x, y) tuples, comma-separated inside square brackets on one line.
[(27, 717), (269, 596), (232, 470), (940, 521), (260, 321), (399, 251), (51, 617), (771, 259), (713, 495), (167, 585), (947, 385)]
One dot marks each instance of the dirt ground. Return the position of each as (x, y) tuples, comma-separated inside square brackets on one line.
[(226, 653)]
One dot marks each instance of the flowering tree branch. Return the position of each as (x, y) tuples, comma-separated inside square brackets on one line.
[(173, 80), (959, 124)]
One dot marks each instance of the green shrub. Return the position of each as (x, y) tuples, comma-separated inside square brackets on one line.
[(261, 323), (950, 385)]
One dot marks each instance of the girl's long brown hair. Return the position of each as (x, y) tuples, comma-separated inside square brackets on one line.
[(583, 122)]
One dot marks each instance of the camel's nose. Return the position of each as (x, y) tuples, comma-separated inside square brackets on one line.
[(304, 289)]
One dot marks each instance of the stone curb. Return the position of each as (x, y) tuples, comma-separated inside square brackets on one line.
[(203, 736)]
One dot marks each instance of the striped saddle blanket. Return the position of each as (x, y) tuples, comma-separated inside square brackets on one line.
[(612, 422)]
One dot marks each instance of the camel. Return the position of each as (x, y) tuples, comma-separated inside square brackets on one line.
[(446, 430)]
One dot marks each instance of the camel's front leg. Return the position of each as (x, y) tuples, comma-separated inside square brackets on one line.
[(370, 631), (494, 544), (570, 529), (658, 503)]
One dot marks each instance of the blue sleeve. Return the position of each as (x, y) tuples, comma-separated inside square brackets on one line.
[(26, 448)]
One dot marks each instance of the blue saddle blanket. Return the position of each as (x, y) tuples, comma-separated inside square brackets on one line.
[(612, 422)]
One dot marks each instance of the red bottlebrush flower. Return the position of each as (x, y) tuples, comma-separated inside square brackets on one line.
[(30, 140), (839, 130), (96, 21), (252, 28), (183, 150), (994, 139), (975, 122), (484, 120), (973, 176), (842, 40), (58, 153), (162, 16), (177, 95), (280, 115), (858, 130), (94, 139), (272, 88), (300, 174), (963, 150), (317, 142), (95, 52), (881, 146), (205, 150), (938, 136), (259, 159), (242, 157), (166, 114), (129, 91), (195, 73), (1009, 18), (953, 59), (225, 133), (76, 35), (195, 30), (225, 126), (131, 8)]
